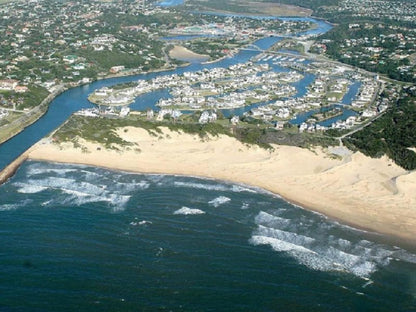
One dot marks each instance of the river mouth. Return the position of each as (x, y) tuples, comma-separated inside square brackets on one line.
[(75, 99), (82, 238)]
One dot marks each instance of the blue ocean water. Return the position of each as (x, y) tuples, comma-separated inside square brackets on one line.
[(78, 238)]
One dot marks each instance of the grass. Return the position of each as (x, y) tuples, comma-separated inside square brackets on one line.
[(258, 7), (103, 131), (16, 122)]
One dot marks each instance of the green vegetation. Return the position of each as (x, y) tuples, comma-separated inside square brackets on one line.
[(374, 48), (266, 7), (17, 121), (289, 44), (221, 5), (102, 131), (214, 47), (393, 134), (315, 5), (32, 98), (98, 130)]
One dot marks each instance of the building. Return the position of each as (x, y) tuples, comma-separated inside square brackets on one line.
[(116, 69), (21, 89), (8, 84)]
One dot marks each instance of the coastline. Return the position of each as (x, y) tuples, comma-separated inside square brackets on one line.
[(371, 194)]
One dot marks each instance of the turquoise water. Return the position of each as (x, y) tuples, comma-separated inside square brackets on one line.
[(77, 238), (170, 3)]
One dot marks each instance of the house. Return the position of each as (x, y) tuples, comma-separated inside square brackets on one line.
[(280, 125), (150, 114), (116, 69), (70, 59), (207, 117), (235, 120), (124, 111), (8, 84), (21, 89)]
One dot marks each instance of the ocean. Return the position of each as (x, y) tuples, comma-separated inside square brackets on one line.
[(79, 238)]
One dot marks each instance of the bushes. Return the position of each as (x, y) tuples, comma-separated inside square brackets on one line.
[(392, 134)]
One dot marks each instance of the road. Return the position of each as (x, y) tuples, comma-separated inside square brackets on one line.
[(362, 126)]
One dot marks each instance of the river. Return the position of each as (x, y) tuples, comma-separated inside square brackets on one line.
[(61, 108), (79, 238)]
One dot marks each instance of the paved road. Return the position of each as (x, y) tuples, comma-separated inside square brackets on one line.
[(369, 122)]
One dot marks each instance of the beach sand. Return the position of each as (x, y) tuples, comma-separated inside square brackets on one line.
[(373, 194), (183, 54)]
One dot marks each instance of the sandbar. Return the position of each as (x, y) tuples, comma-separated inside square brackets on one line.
[(183, 54), (373, 194)]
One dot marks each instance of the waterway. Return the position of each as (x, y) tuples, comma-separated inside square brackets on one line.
[(70, 101), (79, 238)]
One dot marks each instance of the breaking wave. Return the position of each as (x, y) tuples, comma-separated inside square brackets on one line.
[(216, 202), (319, 249), (188, 211), (14, 206), (27, 188), (215, 187), (79, 186)]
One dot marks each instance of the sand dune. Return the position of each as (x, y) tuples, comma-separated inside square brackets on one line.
[(184, 54), (374, 194)]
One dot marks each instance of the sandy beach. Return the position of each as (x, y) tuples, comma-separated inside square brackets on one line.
[(183, 54), (373, 194)]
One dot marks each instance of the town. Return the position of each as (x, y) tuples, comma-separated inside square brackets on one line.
[(256, 82), (43, 55)]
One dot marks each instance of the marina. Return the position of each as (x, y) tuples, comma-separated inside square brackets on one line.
[(148, 235)]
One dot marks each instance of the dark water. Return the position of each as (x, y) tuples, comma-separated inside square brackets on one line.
[(76, 238)]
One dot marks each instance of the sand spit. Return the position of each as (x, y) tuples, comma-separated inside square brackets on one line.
[(183, 54)]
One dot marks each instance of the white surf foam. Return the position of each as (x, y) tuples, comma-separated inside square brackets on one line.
[(188, 211), (267, 219), (214, 187), (245, 206), (283, 235), (7, 207), (320, 259), (28, 188), (80, 192), (277, 244), (133, 186), (41, 169), (144, 222), (80, 198), (14, 206), (320, 250), (239, 188), (216, 202)]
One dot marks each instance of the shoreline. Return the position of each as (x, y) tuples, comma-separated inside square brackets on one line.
[(65, 87), (42, 107), (370, 194), (181, 53)]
